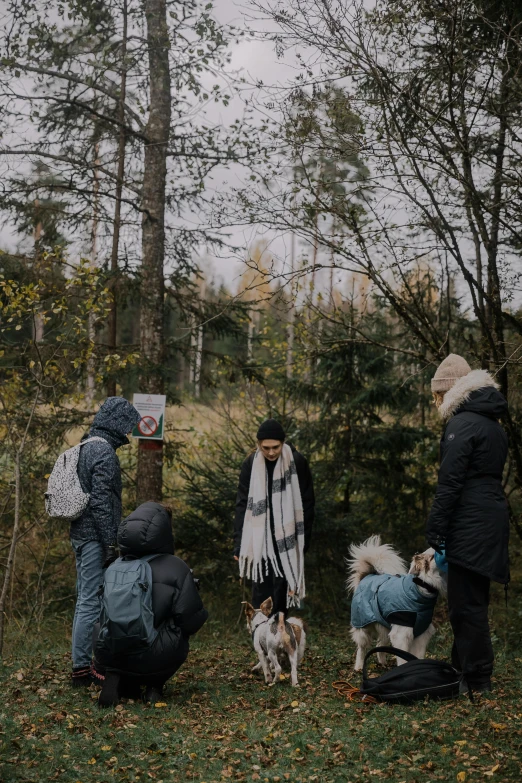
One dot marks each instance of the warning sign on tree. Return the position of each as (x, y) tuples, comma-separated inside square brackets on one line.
[(152, 410)]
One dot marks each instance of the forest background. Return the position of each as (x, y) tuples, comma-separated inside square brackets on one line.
[(383, 187)]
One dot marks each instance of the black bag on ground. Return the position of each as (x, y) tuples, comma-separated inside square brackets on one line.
[(413, 681)]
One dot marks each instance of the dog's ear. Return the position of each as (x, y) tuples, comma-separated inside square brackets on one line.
[(266, 607), (249, 610), (417, 565), (421, 564)]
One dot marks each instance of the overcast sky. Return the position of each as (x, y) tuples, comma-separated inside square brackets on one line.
[(257, 60)]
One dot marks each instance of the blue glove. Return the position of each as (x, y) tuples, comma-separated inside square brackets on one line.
[(441, 562)]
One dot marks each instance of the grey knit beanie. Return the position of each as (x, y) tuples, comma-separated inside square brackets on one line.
[(448, 372)]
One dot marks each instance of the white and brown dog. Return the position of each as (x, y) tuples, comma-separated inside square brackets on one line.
[(390, 605), (276, 641)]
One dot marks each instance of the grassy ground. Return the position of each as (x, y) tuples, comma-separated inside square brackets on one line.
[(219, 722)]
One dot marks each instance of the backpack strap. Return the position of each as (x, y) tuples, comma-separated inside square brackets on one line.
[(406, 656), (90, 440)]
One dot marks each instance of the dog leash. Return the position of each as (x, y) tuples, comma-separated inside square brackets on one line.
[(242, 582), (351, 693)]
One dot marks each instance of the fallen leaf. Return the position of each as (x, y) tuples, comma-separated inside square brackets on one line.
[(161, 704), (294, 704), (461, 776), (461, 742), (92, 761), (106, 747)]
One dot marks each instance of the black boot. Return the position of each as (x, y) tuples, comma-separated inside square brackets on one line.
[(97, 674), (109, 696), (130, 689), (153, 694), (81, 676), (475, 686)]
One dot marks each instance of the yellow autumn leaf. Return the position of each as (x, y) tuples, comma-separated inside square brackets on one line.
[(106, 747), (295, 704), (498, 726), (461, 742), (461, 776), (92, 761), (494, 769), (161, 704)]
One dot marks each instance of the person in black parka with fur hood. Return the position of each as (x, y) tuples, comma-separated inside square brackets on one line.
[(469, 517), (177, 606)]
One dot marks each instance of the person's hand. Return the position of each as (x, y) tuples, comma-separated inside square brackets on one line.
[(438, 543), (110, 556), (236, 558)]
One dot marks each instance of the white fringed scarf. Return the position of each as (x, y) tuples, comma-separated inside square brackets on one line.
[(257, 546)]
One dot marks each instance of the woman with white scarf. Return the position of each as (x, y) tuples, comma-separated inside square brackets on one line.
[(274, 517)]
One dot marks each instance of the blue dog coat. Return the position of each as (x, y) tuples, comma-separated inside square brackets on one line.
[(380, 595)]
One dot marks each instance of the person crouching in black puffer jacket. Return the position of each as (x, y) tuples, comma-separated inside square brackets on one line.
[(176, 603)]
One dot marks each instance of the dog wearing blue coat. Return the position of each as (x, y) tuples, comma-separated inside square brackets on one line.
[(390, 604)]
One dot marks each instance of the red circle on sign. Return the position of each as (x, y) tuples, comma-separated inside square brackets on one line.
[(148, 426)]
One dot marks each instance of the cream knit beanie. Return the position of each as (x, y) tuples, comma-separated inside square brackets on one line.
[(448, 372)]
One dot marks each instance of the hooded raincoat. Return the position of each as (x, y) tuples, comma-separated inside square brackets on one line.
[(470, 509), (100, 474), (176, 603)]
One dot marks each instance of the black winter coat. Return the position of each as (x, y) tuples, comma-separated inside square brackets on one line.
[(100, 474), (306, 486), (470, 509), (178, 608)]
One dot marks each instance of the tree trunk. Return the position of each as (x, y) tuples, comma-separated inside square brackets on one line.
[(16, 525), (290, 326), (12, 551), (113, 319), (198, 355), (152, 320), (91, 328), (38, 326)]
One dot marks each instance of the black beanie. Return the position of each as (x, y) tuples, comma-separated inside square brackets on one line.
[(270, 430)]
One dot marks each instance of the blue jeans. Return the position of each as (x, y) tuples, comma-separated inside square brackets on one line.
[(89, 576)]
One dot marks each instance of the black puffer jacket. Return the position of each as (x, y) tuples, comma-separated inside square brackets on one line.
[(306, 486), (99, 472), (470, 509), (178, 609)]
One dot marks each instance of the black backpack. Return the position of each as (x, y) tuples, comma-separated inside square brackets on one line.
[(413, 681)]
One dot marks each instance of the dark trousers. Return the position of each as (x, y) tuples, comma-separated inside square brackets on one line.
[(272, 586), (468, 601)]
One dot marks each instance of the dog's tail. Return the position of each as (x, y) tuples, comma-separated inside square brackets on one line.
[(287, 633), (372, 557)]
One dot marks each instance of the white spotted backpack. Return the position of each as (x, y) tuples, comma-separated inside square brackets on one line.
[(65, 499)]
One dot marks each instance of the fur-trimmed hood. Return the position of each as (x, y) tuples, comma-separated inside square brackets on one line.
[(476, 392)]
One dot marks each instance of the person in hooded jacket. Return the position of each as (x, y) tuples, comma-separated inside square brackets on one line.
[(178, 611), (93, 534), (469, 517)]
